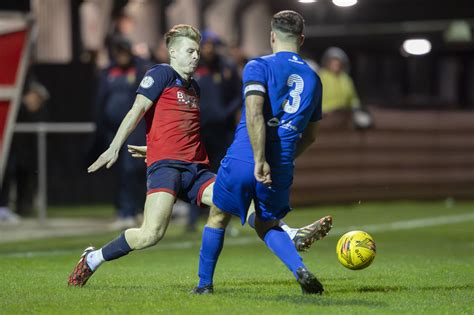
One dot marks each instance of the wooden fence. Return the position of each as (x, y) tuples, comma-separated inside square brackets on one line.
[(408, 155)]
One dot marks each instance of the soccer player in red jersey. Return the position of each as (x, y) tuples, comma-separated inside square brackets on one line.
[(177, 162)]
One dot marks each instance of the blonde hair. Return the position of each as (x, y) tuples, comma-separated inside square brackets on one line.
[(182, 30)]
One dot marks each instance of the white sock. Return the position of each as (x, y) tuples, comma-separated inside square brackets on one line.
[(95, 259), (290, 231)]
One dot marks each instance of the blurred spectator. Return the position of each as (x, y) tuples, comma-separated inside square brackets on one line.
[(123, 26), (339, 91), (115, 96), (238, 57), (160, 53), (220, 100), (21, 170)]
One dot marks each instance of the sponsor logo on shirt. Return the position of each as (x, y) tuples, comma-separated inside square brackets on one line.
[(295, 60), (288, 125), (186, 99)]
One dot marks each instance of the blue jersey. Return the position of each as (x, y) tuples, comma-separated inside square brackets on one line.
[(292, 92)]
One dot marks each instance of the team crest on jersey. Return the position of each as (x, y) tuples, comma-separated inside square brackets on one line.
[(147, 82), (186, 99)]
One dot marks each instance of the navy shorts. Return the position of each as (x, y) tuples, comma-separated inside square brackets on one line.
[(187, 181), (236, 187)]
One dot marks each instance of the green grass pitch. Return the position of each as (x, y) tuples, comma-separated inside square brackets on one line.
[(420, 268)]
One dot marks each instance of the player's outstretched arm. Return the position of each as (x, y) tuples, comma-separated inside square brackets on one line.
[(256, 130), (130, 121), (308, 137)]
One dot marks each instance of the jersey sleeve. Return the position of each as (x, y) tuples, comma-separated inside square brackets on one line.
[(154, 82), (254, 78), (317, 102)]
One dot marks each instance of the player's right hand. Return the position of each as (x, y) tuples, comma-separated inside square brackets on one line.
[(262, 173), (108, 158)]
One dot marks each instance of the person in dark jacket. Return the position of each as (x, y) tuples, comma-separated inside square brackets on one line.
[(117, 85), (22, 167)]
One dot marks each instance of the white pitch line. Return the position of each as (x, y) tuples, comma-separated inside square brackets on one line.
[(373, 228), (415, 223)]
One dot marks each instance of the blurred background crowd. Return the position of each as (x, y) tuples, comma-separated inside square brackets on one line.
[(398, 81)]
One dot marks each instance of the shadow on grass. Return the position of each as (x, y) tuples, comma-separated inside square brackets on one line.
[(249, 290), (293, 297), (102, 287), (249, 282), (387, 288), (321, 300)]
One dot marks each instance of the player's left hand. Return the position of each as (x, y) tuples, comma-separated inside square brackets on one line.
[(262, 173), (137, 151), (108, 158)]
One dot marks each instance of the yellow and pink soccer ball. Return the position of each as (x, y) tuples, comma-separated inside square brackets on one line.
[(356, 250)]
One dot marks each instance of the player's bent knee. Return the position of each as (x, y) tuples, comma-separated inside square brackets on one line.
[(217, 218), (207, 195), (262, 227)]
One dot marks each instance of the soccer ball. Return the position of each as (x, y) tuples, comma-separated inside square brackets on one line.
[(356, 250)]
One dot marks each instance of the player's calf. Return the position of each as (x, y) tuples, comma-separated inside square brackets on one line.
[(144, 238)]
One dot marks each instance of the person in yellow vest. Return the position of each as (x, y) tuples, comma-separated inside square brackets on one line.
[(339, 91)]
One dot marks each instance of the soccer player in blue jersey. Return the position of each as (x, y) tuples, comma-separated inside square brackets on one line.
[(168, 100), (282, 105)]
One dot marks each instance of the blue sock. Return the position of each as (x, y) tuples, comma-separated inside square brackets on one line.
[(281, 245), (116, 248), (251, 220), (212, 242)]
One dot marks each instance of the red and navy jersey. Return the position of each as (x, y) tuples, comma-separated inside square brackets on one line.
[(172, 123)]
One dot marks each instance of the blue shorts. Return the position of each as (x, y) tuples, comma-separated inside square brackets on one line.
[(236, 187), (187, 181)]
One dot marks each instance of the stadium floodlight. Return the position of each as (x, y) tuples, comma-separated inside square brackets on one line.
[(307, 1), (416, 46), (344, 3)]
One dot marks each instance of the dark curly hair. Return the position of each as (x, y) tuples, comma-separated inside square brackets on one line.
[(288, 22)]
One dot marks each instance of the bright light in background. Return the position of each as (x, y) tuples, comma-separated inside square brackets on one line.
[(419, 46), (307, 1), (344, 3)]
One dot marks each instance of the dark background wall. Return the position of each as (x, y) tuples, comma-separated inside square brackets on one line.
[(371, 33)]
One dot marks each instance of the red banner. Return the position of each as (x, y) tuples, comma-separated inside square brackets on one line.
[(4, 106), (13, 54), (11, 48)]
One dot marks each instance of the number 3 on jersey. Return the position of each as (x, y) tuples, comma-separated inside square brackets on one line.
[(292, 107)]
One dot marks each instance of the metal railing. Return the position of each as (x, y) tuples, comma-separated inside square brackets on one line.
[(42, 129)]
